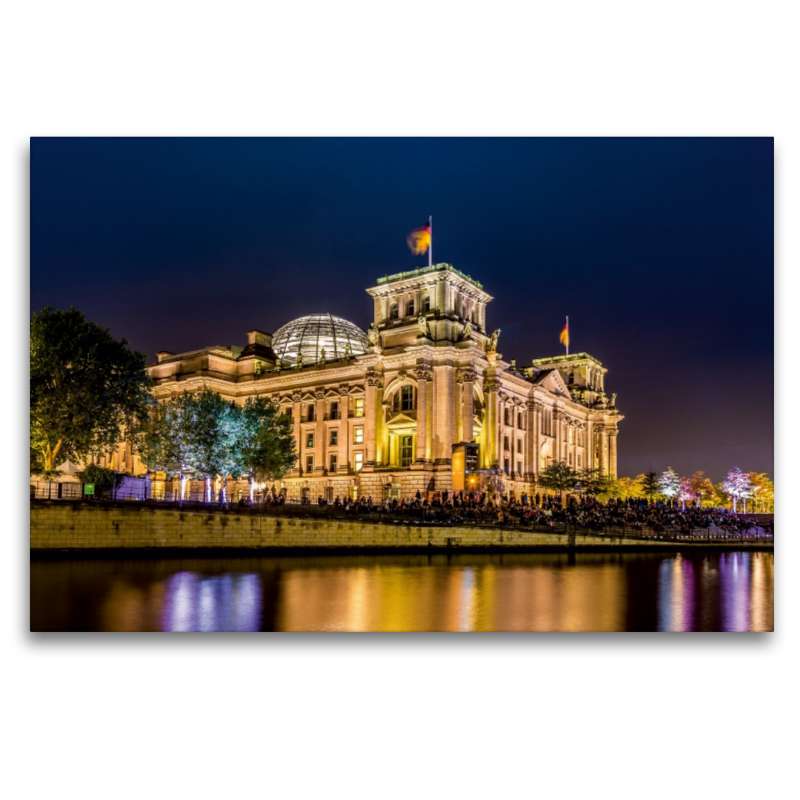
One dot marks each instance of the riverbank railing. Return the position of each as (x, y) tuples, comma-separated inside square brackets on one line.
[(435, 517)]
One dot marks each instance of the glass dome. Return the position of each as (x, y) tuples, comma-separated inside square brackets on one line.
[(311, 335)]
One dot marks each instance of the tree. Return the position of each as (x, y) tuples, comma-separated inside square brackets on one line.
[(649, 483), (593, 482), (167, 439), (669, 483), (630, 487), (738, 485), (85, 387), (703, 489), (557, 477), (763, 491), (265, 441), (685, 492), (104, 480)]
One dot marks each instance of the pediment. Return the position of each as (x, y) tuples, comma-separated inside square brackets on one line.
[(402, 420), (553, 382)]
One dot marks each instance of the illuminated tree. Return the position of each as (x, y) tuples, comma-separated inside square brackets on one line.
[(669, 483), (265, 441), (763, 491), (86, 388), (649, 483), (558, 477), (738, 485), (703, 489), (685, 492), (630, 487)]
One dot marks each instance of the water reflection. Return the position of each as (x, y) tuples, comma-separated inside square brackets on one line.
[(221, 603), (519, 592)]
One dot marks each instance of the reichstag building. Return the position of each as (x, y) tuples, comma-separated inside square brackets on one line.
[(421, 402)]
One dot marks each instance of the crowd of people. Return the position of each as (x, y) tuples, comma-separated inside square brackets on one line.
[(548, 510)]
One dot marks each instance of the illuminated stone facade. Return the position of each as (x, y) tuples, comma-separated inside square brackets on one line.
[(380, 414)]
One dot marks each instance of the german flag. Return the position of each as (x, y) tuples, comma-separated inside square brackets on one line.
[(564, 338), (419, 240)]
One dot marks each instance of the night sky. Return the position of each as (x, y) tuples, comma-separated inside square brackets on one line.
[(659, 250)]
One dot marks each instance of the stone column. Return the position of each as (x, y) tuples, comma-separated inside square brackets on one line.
[(601, 449), (443, 416), (468, 405), (344, 429), (423, 376), (320, 445), (530, 465), (297, 411), (612, 453), (372, 421), (490, 457)]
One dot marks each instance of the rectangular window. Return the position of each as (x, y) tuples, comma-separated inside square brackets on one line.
[(505, 443), (519, 445), (310, 439), (334, 462), (407, 398), (335, 409), (506, 466), (579, 461), (406, 450), (288, 412), (358, 435), (519, 468), (358, 461), (334, 436), (570, 459), (309, 463), (359, 407), (519, 420), (310, 416), (410, 309)]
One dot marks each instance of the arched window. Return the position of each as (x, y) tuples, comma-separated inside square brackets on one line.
[(405, 399), (410, 308), (394, 311), (426, 304)]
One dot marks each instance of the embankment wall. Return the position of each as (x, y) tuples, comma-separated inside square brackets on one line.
[(90, 526)]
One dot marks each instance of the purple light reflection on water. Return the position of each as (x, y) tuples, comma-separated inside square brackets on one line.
[(734, 591), (221, 603), (676, 595)]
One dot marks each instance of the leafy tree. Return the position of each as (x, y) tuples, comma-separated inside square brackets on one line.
[(649, 483), (85, 387), (685, 492), (630, 487), (738, 485), (558, 476), (265, 441), (669, 483), (167, 439), (703, 487), (104, 480), (763, 491), (593, 482)]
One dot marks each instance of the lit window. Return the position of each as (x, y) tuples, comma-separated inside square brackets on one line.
[(406, 450), (359, 461), (310, 439), (359, 407), (334, 436), (358, 435)]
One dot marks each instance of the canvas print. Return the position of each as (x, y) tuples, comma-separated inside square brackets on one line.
[(401, 384)]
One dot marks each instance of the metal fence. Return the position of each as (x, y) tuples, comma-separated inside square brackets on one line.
[(407, 516)]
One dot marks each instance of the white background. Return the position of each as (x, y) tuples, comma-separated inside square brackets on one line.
[(118, 716)]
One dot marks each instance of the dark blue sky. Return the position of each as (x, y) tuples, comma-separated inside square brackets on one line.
[(660, 251)]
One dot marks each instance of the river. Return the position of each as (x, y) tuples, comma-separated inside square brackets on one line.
[(691, 591)]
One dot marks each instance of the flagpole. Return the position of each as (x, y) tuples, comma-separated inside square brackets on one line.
[(430, 246), (567, 335)]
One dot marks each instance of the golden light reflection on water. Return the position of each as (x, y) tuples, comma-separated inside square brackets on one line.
[(730, 591), (453, 598)]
